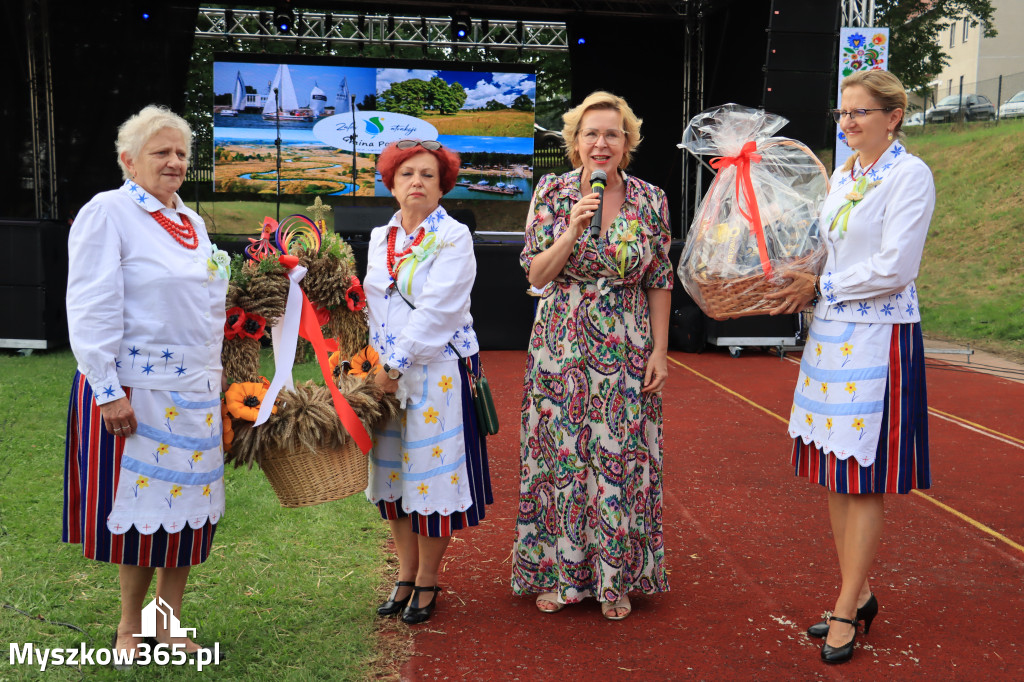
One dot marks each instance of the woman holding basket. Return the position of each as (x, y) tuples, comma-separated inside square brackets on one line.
[(429, 473), (590, 491), (860, 419)]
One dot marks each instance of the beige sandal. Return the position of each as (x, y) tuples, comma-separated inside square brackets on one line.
[(610, 608), (549, 598)]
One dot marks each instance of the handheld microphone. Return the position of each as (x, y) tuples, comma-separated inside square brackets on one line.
[(597, 183)]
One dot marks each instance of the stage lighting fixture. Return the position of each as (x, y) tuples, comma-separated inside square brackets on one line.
[(461, 26), (581, 41), (284, 19)]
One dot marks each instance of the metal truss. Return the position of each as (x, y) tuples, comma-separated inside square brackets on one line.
[(40, 84), (858, 13), (382, 30)]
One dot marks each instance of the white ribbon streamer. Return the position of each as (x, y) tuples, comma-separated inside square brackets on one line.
[(285, 336)]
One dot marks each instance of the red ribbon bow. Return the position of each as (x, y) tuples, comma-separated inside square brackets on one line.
[(742, 162)]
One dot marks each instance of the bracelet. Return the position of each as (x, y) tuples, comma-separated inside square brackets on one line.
[(817, 286)]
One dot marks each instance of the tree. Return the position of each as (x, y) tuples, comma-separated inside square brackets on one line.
[(916, 55), (522, 103), (494, 105), (409, 97)]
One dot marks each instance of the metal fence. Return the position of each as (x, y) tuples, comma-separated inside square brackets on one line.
[(998, 90)]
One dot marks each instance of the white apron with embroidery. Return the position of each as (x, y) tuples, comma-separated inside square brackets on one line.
[(172, 470), (841, 390), (421, 457)]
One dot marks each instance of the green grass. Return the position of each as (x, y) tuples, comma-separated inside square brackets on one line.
[(972, 273), (288, 593)]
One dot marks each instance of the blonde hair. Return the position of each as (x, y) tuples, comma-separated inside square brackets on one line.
[(134, 133), (884, 87), (599, 99)]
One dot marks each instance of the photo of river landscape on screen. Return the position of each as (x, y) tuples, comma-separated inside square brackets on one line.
[(320, 111)]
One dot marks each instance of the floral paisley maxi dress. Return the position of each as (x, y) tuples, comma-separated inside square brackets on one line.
[(590, 508)]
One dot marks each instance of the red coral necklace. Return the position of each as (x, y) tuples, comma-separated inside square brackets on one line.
[(183, 234), (392, 256)]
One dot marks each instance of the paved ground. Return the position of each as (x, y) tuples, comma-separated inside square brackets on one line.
[(750, 555)]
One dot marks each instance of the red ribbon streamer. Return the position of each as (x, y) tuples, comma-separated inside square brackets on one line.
[(742, 162), (309, 329)]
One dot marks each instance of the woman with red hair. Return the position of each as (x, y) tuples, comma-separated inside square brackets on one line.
[(428, 472)]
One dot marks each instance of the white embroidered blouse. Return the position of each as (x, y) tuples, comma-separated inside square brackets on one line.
[(142, 310), (437, 279), (871, 266)]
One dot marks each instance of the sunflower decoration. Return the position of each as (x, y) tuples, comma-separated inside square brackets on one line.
[(365, 363), (244, 399), (304, 416)]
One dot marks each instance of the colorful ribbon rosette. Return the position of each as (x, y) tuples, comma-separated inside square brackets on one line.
[(759, 218)]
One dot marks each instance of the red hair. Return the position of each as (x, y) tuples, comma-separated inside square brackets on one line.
[(448, 164)]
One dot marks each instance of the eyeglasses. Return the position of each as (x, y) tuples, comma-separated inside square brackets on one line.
[(612, 136), (430, 145), (854, 114)]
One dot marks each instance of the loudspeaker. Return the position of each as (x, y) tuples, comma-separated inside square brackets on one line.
[(800, 67), (33, 284)]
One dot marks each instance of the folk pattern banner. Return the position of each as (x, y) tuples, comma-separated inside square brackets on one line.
[(861, 48)]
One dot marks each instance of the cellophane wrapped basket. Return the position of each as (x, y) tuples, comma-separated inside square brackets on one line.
[(303, 447), (759, 218)]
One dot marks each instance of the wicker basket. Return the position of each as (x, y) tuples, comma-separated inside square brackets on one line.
[(301, 478), (738, 297), (741, 296)]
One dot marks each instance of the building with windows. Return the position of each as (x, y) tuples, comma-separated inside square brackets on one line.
[(993, 67)]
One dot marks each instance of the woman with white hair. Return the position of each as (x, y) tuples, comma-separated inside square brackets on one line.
[(144, 484)]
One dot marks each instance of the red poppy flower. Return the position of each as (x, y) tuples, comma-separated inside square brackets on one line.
[(233, 323), (253, 326), (354, 296)]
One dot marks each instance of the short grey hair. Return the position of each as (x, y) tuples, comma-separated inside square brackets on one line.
[(134, 133)]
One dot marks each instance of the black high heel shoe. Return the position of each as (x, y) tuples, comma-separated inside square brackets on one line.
[(865, 613), (414, 613), (840, 654), (394, 605)]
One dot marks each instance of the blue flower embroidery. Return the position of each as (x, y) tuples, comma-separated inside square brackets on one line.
[(466, 344), (887, 309), (856, 40), (828, 285), (390, 340), (376, 338), (863, 308), (108, 391), (841, 307), (403, 362), (148, 368), (117, 364), (180, 369), (910, 309), (913, 291), (831, 298), (897, 150)]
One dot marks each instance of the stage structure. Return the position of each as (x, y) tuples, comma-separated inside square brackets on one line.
[(389, 30)]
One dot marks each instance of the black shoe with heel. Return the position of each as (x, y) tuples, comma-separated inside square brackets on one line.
[(414, 613), (840, 654), (394, 605), (865, 614)]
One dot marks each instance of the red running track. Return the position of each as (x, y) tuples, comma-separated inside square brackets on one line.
[(750, 556)]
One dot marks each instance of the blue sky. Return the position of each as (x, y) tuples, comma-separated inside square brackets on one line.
[(361, 80), (480, 87)]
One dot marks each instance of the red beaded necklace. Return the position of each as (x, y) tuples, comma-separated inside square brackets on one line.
[(183, 234), (392, 256)]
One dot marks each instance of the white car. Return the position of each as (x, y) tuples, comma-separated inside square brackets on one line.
[(915, 119), (1013, 107)]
